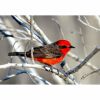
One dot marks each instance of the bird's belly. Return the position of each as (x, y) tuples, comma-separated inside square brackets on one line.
[(49, 61)]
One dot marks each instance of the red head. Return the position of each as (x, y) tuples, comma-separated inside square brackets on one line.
[(65, 46)]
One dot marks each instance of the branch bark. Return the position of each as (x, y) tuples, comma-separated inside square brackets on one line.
[(75, 69)]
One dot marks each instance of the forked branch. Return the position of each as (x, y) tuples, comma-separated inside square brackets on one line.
[(75, 69)]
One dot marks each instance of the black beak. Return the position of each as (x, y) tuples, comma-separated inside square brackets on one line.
[(72, 46)]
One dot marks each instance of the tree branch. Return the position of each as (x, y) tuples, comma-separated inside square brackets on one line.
[(75, 69), (88, 74), (87, 24), (25, 72)]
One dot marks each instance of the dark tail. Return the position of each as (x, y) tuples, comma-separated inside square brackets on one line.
[(16, 54)]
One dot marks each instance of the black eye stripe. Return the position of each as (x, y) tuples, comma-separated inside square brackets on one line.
[(63, 47)]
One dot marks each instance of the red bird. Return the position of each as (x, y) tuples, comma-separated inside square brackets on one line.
[(49, 54)]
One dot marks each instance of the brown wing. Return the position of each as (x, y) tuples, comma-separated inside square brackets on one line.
[(47, 51)]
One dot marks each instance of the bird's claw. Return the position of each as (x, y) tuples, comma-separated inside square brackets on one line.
[(47, 68)]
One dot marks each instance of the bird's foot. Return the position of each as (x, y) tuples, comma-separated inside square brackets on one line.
[(47, 68)]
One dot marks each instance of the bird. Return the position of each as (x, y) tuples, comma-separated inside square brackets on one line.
[(49, 54)]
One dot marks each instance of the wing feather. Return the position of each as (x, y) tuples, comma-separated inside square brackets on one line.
[(47, 51)]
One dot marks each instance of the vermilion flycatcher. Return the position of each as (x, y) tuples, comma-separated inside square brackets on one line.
[(48, 54)]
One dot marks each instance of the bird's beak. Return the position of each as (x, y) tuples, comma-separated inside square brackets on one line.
[(72, 46)]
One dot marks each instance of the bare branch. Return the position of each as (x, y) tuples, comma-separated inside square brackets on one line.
[(12, 41), (75, 69), (58, 72), (88, 74), (25, 72), (77, 59), (83, 42), (87, 24)]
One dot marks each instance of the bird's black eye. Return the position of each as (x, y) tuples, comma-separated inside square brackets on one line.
[(62, 47)]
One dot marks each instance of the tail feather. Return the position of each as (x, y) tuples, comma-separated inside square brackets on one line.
[(16, 54)]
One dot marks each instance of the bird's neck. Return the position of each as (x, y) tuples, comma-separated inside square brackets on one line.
[(64, 52)]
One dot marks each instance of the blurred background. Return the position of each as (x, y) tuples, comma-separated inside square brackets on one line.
[(84, 37)]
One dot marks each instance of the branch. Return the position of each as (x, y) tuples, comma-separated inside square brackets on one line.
[(16, 65), (38, 34), (12, 41), (25, 65), (59, 73), (87, 24), (75, 69), (88, 74), (76, 58), (83, 41), (25, 72)]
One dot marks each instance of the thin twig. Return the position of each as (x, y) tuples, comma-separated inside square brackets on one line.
[(86, 20), (31, 31), (58, 27), (83, 42), (25, 72), (87, 24), (88, 74)]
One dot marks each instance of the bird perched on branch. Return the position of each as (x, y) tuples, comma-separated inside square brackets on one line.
[(49, 54)]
